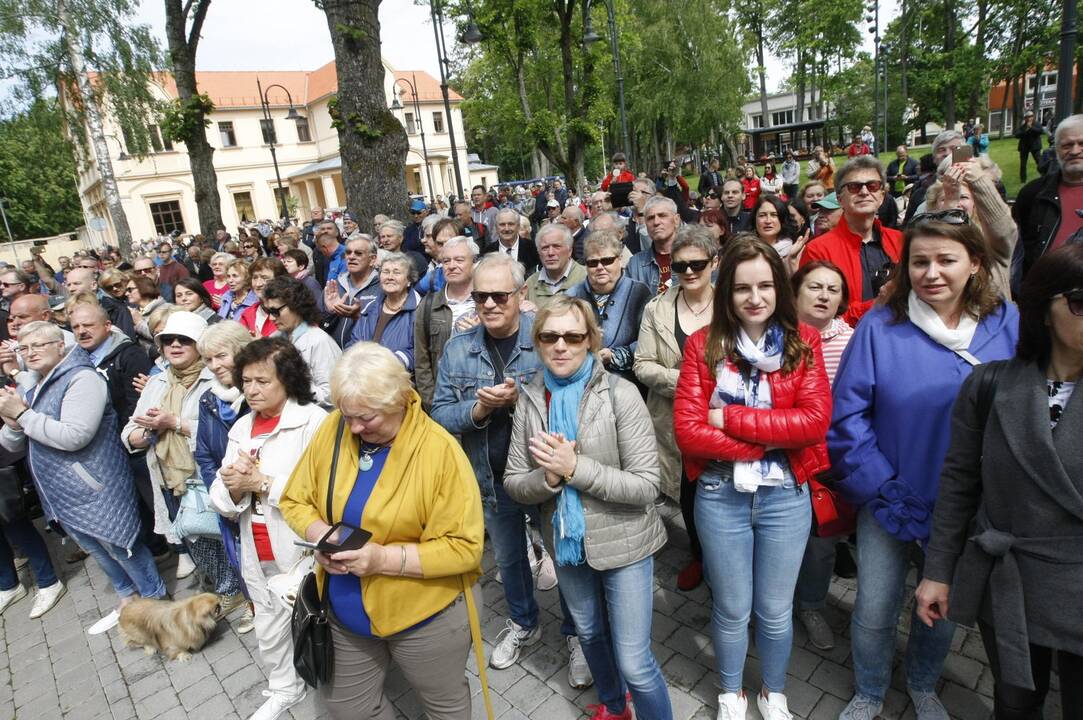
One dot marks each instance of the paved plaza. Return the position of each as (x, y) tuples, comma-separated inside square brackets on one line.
[(51, 669)]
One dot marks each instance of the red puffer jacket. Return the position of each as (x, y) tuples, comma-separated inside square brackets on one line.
[(797, 422)]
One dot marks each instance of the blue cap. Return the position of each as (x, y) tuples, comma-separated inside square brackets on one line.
[(418, 205), (349, 216)]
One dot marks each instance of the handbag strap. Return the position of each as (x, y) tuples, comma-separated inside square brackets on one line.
[(479, 652), (325, 600)]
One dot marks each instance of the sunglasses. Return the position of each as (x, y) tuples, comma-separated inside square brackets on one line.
[(951, 217), (499, 298), (170, 339), (355, 253), (855, 187), (272, 311), (682, 266), (607, 261), (569, 338), (1074, 299), (114, 287), (145, 271)]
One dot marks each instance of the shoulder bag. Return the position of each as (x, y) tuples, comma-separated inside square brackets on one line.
[(313, 651)]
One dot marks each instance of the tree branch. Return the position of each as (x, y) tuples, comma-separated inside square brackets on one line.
[(197, 24)]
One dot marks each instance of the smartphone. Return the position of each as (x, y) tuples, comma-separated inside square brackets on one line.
[(340, 536), (962, 154)]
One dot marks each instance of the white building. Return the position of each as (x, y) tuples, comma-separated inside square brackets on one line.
[(157, 191)]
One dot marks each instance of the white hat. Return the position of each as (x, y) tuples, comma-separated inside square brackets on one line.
[(183, 323), (552, 203)]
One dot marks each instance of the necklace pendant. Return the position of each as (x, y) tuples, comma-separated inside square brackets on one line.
[(365, 463)]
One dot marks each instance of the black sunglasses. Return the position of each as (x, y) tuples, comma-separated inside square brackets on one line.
[(569, 338), (954, 216), (272, 311), (170, 339), (499, 298), (682, 266), (607, 261), (1075, 301)]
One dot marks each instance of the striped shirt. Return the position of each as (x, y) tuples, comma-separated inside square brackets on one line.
[(835, 338)]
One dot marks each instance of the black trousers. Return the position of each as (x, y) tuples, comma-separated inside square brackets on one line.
[(1023, 154), (1011, 702), (688, 512)]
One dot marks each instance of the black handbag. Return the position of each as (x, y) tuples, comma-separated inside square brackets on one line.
[(13, 504), (313, 650)]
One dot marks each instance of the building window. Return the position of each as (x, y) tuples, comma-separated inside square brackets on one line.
[(757, 121), (282, 197), (267, 127), (411, 126), (303, 134), (242, 201), (158, 140), (783, 117), (226, 134), (438, 122), (167, 216)]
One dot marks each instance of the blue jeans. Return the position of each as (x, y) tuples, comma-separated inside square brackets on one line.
[(129, 574), (882, 565), (612, 613), (23, 533), (817, 567), (506, 524), (752, 548)]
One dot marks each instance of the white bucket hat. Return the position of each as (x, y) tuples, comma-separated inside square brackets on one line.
[(183, 323)]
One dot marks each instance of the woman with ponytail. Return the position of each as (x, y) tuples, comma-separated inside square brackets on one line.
[(583, 448)]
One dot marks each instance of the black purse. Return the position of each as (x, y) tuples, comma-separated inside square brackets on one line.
[(313, 649), (13, 505)]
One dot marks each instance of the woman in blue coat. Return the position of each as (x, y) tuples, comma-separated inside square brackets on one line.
[(389, 319), (890, 430)]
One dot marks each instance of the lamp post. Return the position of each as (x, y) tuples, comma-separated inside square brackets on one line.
[(471, 35), (874, 29), (1068, 33), (273, 136), (396, 105), (589, 36)]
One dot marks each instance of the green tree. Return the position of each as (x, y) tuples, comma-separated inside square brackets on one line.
[(37, 172)]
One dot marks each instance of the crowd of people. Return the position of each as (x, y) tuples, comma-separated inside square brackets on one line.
[(801, 370)]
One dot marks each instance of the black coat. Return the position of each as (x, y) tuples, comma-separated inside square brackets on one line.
[(528, 254), (1037, 215), (123, 363), (1030, 137), (119, 315)]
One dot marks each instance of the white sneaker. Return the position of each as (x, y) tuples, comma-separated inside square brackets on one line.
[(248, 620), (732, 706), (185, 566), (579, 675), (773, 707), (9, 597), (45, 598), (514, 636), (276, 704), (545, 575), (106, 624)]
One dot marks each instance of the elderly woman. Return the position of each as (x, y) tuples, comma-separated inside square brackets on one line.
[(294, 311), (1008, 522), (79, 467), (240, 296), (889, 436), (143, 298), (114, 283), (219, 283), (583, 447), (406, 480), (165, 422), (618, 301), (297, 265), (219, 408), (389, 319), (260, 272), (189, 294), (668, 320), (264, 447), (390, 238)]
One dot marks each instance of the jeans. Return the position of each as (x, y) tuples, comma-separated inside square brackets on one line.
[(23, 533), (882, 565), (752, 548), (817, 567), (506, 524), (130, 574), (1011, 702), (612, 613)]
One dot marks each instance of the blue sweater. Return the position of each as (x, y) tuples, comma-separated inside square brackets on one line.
[(891, 422), (398, 336)]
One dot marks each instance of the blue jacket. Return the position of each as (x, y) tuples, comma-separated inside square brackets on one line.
[(464, 367), (433, 281), (891, 422), (644, 268), (226, 313), (336, 264), (398, 336), (212, 436), (620, 320)]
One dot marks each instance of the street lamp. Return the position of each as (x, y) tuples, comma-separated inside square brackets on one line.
[(589, 36), (272, 136), (874, 19), (472, 35), (396, 105)]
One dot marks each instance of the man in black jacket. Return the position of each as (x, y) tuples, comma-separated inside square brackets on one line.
[(1030, 136), (509, 242)]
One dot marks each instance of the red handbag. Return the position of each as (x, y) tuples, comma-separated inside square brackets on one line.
[(831, 515)]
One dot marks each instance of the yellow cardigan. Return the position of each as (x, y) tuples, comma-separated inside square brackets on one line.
[(427, 494)]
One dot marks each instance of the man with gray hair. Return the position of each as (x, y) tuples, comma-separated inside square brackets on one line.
[(559, 271), (651, 266), (572, 218), (1046, 211), (509, 242)]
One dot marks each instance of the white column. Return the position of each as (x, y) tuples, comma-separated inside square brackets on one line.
[(329, 192)]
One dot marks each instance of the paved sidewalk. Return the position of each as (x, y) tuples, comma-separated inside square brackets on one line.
[(50, 668)]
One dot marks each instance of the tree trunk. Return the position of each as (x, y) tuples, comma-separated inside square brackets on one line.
[(73, 46), (800, 86), (949, 51), (973, 108), (372, 143), (904, 59), (182, 51), (762, 70), (577, 99)]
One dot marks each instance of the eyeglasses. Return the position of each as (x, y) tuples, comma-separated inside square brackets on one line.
[(954, 216), (1074, 299), (498, 298), (170, 339), (4, 284), (114, 287), (854, 187), (145, 271), (35, 347), (569, 338), (607, 261), (272, 311), (356, 253), (682, 266)]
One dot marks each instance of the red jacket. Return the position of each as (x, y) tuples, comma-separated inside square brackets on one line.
[(248, 319), (797, 422), (752, 191), (842, 246), (625, 177)]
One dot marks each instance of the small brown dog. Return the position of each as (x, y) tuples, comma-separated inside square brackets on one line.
[(177, 628)]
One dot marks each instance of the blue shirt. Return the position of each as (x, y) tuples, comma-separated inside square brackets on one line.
[(336, 264)]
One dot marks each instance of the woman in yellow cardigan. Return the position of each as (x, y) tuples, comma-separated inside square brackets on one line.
[(407, 594)]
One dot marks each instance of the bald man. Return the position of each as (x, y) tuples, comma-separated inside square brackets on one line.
[(82, 280)]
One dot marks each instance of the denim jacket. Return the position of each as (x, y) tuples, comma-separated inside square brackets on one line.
[(464, 367)]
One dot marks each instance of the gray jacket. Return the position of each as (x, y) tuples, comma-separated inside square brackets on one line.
[(1008, 524), (616, 475)]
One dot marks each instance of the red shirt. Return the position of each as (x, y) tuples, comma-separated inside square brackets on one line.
[(624, 177), (248, 319), (261, 428), (1071, 198), (855, 150)]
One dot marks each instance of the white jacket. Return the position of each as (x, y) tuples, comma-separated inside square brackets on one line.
[(320, 353), (278, 456)]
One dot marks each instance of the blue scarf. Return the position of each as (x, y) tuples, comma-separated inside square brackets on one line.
[(569, 525)]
